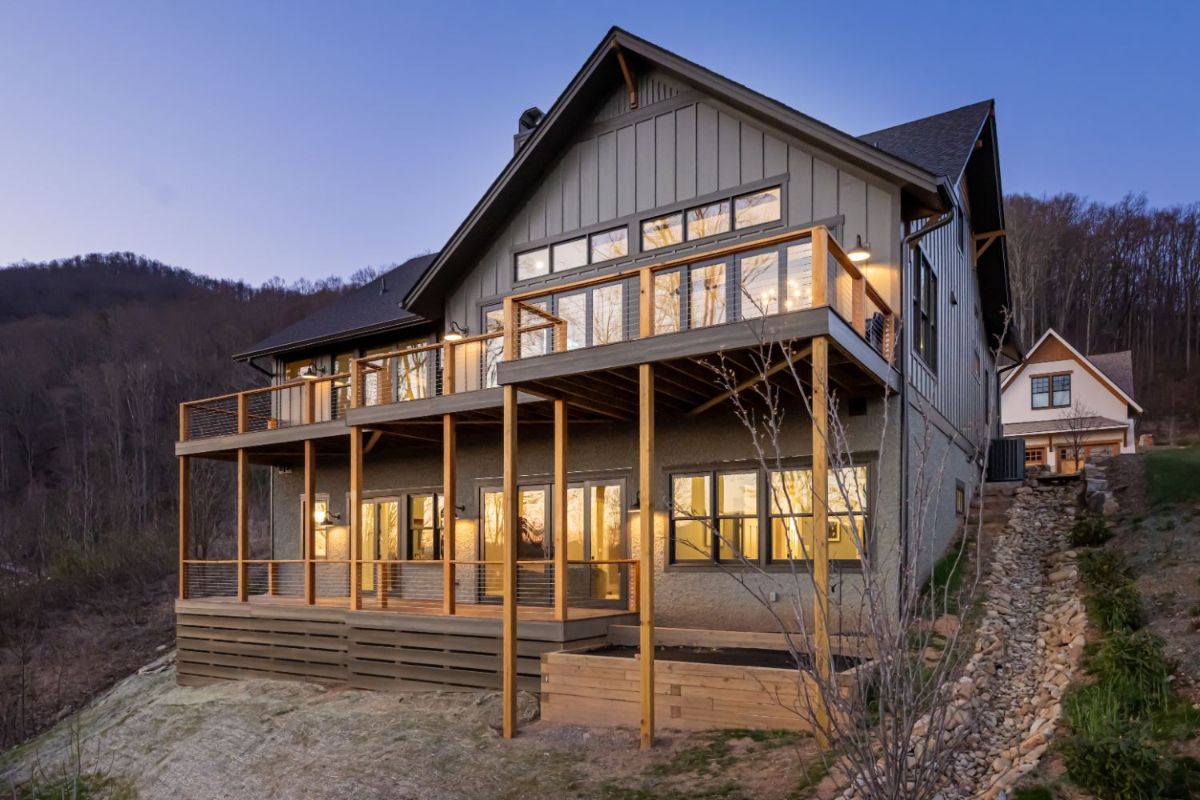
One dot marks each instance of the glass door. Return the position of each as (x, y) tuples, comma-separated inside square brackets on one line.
[(380, 540), (596, 532), (534, 544)]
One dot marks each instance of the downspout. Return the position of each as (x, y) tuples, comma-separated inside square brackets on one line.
[(908, 246)]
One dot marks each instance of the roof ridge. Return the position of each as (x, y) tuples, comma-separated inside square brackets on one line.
[(991, 101)]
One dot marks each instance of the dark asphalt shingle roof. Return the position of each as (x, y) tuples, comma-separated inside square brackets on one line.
[(940, 144), (1118, 367), (372, 307), (1064, 425)]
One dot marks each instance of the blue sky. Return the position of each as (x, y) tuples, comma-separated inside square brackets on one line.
[(253, 139)]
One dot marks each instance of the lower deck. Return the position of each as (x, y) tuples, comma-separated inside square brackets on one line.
[(409, 646)]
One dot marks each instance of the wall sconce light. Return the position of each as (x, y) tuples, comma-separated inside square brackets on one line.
[(322, 517), (310, 372), (860, 252), (456, 333), (636, 505)]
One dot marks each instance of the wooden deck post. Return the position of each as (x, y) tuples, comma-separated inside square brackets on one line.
[(185, 474), (243, 533), (820, 507), (646, 547), (308, 525), (858, 306), (560, 509), (820, 266), (512, 532), (450, 512), (356, 497)]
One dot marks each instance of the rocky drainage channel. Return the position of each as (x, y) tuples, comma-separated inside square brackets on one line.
[(1007, 704)]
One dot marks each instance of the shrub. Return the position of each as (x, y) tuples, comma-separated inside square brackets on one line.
[(1132, 665), (1090, 531), (1123, 766), (1116, 608), (1104, 568), (1033, 793)]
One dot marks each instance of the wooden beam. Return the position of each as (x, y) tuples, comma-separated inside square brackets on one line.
[(449, 512), (512, 528), (984, 240), (627, 73), (789, 358), (243, 516), (559, 504), (858, 306), (355, 500), (820, 267), (645, 303), (820, 507), (185, 505), (376, 435), (308, 525), (646, 549)]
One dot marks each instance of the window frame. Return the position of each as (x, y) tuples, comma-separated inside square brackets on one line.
[(726, 199), (830, 514), (549, 245), (1050, 378), (925, 302), (713, 518)]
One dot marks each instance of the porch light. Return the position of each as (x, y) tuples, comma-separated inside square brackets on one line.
[(859, 252), (309, 372), (456, 333)]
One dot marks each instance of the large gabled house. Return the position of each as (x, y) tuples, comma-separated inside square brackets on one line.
[(1068, 407), (550, 371)]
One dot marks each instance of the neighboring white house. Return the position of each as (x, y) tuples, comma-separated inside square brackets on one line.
[(1068, 406)]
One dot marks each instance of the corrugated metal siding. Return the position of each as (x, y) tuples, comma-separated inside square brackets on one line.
[(957, 390), (624, 173)]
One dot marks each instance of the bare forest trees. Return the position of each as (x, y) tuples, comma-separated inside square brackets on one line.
[(1114, 277)]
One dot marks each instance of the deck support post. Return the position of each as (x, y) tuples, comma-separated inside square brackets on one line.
[(820, 555), (450, 511), (308, 525), (559, 505), (185, 487), (512, 532), (646, 548), (243, 533), (355, 500)]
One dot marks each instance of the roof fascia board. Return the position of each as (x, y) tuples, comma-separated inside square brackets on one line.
[(356, 333)]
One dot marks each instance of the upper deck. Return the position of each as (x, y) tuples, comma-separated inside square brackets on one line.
[(729, 301)]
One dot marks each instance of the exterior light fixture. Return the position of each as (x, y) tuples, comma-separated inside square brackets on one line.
[(309, 372), (322, 516), (456, 333), (860, 252)]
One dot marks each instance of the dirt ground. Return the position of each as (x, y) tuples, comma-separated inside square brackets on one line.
[(1163, 547), (272, 739)]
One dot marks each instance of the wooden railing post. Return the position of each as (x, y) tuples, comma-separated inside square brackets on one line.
[(448, 368), (243, 412), (820, 266), (184, 522), (449, 511), (510, 330), (645, 302), (356, 383), (308, 527), (183, 421), (243, 533), (512, 522), (820, 509), (272, 577), (559, 504), (858, 306), (646, 548), (309, 397)]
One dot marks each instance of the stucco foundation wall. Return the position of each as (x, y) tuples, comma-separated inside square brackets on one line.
[(685, 596)]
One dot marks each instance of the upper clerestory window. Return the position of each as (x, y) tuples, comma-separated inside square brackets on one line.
[(573, 253), (711, 219)]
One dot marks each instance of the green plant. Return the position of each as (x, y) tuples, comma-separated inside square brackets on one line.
[(1132, 666), (1102, 568), (1090, 531), (1116, 608), (1033, 793), (1124, 766)]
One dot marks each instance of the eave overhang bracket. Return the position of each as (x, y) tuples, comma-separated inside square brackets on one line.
[(984, 240), (630, 84)]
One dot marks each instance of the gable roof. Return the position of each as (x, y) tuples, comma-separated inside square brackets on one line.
[(374, 307), (941, 144), (1114, 360), (590, 85)]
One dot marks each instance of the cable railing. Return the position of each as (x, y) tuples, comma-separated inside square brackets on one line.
[(323, 398), (429, 370), (413, 584)]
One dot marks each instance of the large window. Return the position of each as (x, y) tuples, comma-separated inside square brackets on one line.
[(1050, 391), (424, 527), (573, 253), (925, 305), (711, 219), (716, 516)]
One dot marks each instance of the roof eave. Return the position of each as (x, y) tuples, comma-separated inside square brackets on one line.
[(317, 341)]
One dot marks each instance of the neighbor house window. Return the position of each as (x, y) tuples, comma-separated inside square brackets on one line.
[(1050, 391), (725, 524), (756, 208), (925, 303), (791, 504), (1035, 456)]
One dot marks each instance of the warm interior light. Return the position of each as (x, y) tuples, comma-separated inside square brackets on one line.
[(320, 513), (859, 252)]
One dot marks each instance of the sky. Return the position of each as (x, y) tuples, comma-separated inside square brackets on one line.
[(256, 139)]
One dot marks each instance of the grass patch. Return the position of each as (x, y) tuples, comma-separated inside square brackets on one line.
[(945, 582), (86, 786), (1033, 793), (1173, 476)]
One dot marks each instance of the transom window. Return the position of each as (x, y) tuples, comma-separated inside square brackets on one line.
[(1050, 391), (711, 219), (716, 516), (573, 253)]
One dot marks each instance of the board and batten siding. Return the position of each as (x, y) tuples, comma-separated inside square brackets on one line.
[(956, 390), (680, 146)]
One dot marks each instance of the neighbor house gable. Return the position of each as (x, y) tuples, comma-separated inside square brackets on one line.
[(1053, 348)]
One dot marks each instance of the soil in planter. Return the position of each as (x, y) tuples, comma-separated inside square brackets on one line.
[(731, 656)]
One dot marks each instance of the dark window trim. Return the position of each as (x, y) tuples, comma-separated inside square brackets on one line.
[(925, 319), (720, 197), (1050, 376)]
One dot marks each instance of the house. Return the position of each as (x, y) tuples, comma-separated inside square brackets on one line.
[(550, 370), (1069, 407)]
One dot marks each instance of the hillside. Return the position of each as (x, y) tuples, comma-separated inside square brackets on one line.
[(97, 352)]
